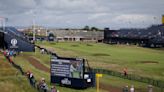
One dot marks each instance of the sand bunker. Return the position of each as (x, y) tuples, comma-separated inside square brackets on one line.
[(100, 54), (149, 62)]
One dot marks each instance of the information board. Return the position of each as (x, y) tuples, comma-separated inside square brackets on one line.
[(67, 67)]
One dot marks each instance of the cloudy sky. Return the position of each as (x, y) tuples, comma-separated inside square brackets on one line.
[(78, 13)]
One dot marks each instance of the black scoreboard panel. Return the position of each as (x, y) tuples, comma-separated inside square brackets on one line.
[(73, 68)]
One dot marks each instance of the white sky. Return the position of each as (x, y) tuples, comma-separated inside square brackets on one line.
[(78, 13)]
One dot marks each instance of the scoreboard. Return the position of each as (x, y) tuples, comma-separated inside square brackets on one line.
[(70, 72)]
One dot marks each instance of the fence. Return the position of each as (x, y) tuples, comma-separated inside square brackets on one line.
[(154, 82)]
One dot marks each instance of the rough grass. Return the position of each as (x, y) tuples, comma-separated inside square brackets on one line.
[(11, 80)]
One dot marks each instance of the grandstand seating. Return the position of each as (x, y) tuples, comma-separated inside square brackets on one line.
[(155, 34), (22, 43)]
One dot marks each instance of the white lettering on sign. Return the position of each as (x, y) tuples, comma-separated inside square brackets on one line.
[(66, 81)]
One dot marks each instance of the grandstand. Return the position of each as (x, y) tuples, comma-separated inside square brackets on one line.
[(13, 39), (149, 37)]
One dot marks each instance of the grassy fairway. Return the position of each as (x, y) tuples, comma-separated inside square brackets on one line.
[(138, 60)]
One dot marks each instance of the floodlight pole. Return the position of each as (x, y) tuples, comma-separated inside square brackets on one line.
[(34, 27), (33, 30), (4, 24), (3, 20)]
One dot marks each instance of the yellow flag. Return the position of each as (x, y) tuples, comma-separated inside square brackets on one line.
[(99, 75)]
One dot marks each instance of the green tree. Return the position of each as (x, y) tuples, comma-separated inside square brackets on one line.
[(86, 28), (94, 29)]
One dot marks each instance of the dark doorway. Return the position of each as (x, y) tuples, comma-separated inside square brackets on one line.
[(2, 43)]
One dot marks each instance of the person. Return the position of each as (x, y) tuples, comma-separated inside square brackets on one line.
[(14, 53), (72, 69), (11, 53), (53, 89), (132, 89), (10, 59), (150, 88), (42, 51), (125, 70), (80, 69), (125, 89), (43, 85), (5, 53), (31, 78), (39, 84)]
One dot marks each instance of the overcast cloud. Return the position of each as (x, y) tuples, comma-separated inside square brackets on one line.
[(78, 13)]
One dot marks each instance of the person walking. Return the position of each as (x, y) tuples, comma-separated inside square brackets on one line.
[(125, 70), (150, 88), (53, 89), (125, 89), (43, 85), (132, 89), (31, 78)]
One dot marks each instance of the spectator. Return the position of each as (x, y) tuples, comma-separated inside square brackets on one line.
[(5, 53), (39, 84), (11, 53), (53, 89), (43, 85), (125, 70), (132, 89), (14, 53), (125, 89), (150, 88), (42, 51), (10, 60), (31, 78)]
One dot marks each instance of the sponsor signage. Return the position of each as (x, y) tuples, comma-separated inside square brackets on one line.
[(66, 81), (70, 72), (14, 43)]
